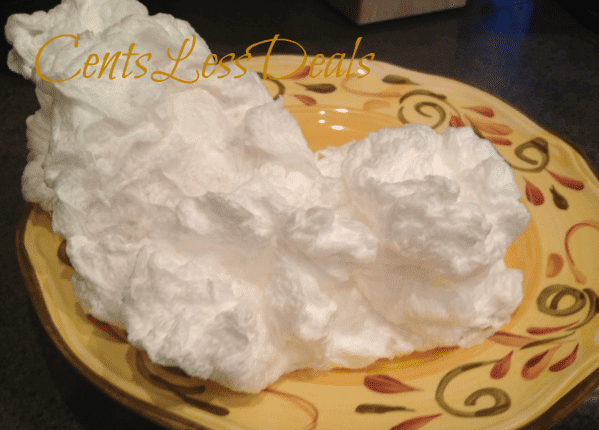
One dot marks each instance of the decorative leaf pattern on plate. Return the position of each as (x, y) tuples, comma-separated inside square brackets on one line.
[(559, 200), (397, 80), (502, 367), (565, 362), (301, 74), (498, 140), (555, 263), (539, 331), (393, 91), (415, 423), (367, 408), (567, 182), (534, 366), (545, 341), (483, 110), (509, 339), (386, 384), (484, 128), (533, 193), (490, 127), (456, 121), (319, 88), (307, 100)]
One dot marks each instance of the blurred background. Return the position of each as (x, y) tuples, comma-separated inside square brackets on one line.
[(229, 25), (540, 56)]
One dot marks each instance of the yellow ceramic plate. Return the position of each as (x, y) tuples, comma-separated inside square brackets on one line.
[(530, 374)]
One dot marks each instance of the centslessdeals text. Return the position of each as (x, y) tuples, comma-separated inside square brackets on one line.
[(92, 64)]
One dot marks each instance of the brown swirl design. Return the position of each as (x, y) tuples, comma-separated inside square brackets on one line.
[(557, 292), (62, 253), (280, 86), (420, 107), (541, 148), (502, 400), (176, 382)]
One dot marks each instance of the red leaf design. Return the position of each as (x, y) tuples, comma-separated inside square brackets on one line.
[(307, 100), (509, 339), (483, 110), (565, 362), (490, 127), (456, 121), (533, 194), (533, 367), (386, 384), (302, 73), (415, 423), (501, 368), (547, 330), (567, 182), (108, 329), (498, 140), (555, 263)]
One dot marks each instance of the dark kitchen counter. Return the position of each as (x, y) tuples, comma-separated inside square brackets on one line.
[(535, 55)]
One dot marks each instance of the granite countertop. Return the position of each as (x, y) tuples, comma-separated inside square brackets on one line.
[(533, 54)]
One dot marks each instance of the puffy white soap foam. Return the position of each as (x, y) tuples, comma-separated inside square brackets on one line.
[(198, 219)]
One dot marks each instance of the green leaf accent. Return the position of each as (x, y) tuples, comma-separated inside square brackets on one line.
[(397, 80), (319, 88), (368, 408)]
